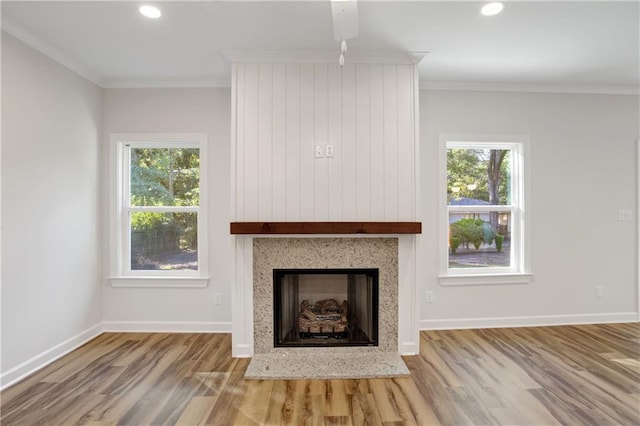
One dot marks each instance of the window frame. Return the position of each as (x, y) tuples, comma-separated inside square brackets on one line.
[(121, 274), (519, 270)]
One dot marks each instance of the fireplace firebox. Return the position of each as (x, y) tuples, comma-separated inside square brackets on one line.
[(325, 307)]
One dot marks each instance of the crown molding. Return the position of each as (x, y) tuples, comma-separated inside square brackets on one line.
[(46, 49), (324, 56), (385, 57), (168, 83), (531, 88)]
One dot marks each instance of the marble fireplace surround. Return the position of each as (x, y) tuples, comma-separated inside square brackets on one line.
[(325, 253)]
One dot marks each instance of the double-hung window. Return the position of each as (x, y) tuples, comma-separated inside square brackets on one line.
[(159, 209), (483, 228)]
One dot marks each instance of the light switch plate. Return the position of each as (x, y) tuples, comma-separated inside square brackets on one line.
[(329, 150)]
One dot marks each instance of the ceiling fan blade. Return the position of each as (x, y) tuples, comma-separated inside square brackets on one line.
[(345, 19)]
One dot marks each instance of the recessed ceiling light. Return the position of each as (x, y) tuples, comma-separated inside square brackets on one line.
[(491, 9), (150, 11)]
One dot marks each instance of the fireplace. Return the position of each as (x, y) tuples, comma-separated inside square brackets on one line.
[(286, 271), (325, 307), (320, 255)]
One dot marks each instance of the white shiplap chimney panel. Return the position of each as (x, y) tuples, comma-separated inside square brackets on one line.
[(320, 137), (278, 117), (363, 142), (265, 145), (282, 111)]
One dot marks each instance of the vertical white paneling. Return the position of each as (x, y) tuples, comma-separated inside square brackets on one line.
[(283, 111), (408, 296), (234, 143), (321, 136), (406, 154), (349, 143), (265, 149), (293, 142), (306, 143), (335, 138), (279, 143), (363, 130), (242, 300), (376, 145), (390, 105), (240, 130), (251, 125)]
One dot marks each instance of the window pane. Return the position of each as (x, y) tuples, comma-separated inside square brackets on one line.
[(165, 177), (479, 239), (478, 177), (166, 241)]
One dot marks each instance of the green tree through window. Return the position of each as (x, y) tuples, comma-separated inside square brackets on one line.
[(164, 194), (480, 206)]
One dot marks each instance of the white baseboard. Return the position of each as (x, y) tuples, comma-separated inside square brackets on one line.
[(242, 351), (167, 326), (534, 321), (409, 348), (45, 358)]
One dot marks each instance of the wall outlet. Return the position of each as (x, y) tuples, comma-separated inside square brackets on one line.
[(319, 151), (429, 296), (217, 298), (599, 291)]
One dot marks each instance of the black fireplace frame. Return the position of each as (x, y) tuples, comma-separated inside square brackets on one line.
[(373, 273)]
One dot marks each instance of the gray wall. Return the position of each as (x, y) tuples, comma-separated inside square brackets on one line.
[(177, 111), (52, 222), (583, 169)]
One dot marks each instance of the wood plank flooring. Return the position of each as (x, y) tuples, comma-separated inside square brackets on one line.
[(587, 375)]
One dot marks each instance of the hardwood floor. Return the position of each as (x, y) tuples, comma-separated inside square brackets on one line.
[(521, 376)]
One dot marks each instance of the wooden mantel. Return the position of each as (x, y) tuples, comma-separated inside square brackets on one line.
[(271, 228)]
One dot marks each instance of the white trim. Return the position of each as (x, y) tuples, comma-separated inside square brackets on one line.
[(528, 321), (233, 143), (48, 356), (50, 52), (303, 56), (323, 56), (242, 351), (164, 83), (118, 203), (167, 327), (638, 221), (242, 339), (484, 279), (159, 282), (530, 88), (519, 271), (413, 346), (409, 348), (408, 300), (500, 208)]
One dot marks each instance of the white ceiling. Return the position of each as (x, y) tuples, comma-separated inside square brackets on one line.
[(549, 45)]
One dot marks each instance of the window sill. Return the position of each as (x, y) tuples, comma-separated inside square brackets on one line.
[(485, 279), (159, 282)]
